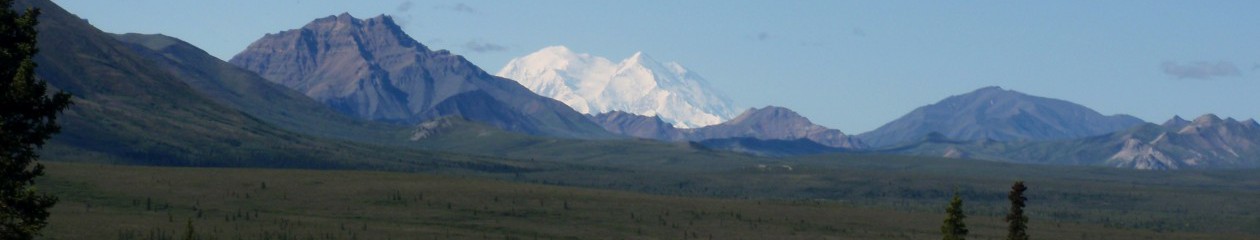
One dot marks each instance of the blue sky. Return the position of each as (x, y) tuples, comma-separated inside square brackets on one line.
[(849, 65)]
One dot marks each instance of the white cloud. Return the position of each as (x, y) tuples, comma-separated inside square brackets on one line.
[(481, 47), (1200, 70)]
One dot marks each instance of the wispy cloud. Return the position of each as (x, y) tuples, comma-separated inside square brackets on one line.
[(458, 7), (1200, 70), (762, 36), (404, 6), (482, 47)]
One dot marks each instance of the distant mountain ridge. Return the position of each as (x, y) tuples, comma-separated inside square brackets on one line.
[(639, 126), (371, 69), (767, 123), (639, 84), (998, 114), (773, 122), (1206, 142)]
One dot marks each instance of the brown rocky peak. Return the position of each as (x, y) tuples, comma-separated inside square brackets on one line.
[(382, 19), (1207, 120), (371, 69), (380, 24), (771, 113), (346, 18), (1251, 123), (343, 20), (1176, 122)]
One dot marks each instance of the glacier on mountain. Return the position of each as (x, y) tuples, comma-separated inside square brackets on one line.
[(638, 84)]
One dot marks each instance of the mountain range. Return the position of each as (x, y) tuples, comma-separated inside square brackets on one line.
[(639, 84), (343, 92), (371, 69), (1206, 142), (767, 123), (997, 114)]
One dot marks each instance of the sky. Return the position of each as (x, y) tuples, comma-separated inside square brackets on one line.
[(849, 65)]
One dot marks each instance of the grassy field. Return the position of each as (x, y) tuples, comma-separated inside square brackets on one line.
[(1203, 201), (123, 202), (1224, 202)]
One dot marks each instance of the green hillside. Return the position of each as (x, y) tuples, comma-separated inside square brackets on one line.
[(244, 91), (128, 110)]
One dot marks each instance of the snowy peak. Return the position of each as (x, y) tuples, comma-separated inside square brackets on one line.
[(640, 59), (556, 50), (639, 84), (556, 57), (636, 57)]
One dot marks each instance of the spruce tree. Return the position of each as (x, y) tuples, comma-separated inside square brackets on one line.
[(189, 233), (953, 227), (1017, 223), (28, 117)]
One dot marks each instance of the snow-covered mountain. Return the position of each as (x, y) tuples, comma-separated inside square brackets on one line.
[(639, 85)]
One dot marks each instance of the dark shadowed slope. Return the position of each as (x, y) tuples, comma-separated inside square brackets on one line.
[(128, 110), (245, 91), (638, 126)]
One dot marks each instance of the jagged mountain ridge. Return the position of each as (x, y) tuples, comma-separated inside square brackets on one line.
[(1206, 142), (639, 84), (768, 123), (370, 68), (998, 114)]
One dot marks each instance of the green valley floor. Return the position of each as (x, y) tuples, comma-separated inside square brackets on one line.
[(129, 202)]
